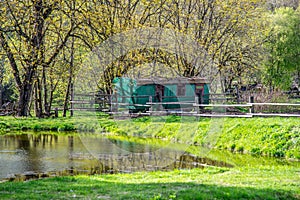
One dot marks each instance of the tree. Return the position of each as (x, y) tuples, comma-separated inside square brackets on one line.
[(44, 41), (32, 34), (282, 62), (2, 71), (7, 86), (273, 4), (229, 31)]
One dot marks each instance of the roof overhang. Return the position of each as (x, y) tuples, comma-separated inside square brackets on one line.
[(164, 81)]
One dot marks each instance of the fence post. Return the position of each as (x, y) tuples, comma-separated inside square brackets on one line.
[(251, 100), (117, 104), (150, 103), (110, 102), (237, 94), (201, 100), (197, 102)]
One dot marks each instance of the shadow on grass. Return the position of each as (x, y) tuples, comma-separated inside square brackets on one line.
[(92, 188)]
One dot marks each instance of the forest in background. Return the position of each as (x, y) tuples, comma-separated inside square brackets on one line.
[(44, 43)]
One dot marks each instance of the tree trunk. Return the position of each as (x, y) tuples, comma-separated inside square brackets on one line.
[(1, 101), (40, 102), (50, 102), (2, 71), (67, 97), (24, 99), (38, 99), (72, 99), (70, 85), (36, 106), (45, 88), (25, 90)]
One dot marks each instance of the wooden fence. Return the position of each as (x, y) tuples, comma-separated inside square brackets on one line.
[(110, 104)]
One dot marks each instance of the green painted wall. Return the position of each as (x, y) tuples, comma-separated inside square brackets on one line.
[(140, 94)]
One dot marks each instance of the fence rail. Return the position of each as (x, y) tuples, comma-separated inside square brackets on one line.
[(111, 105)]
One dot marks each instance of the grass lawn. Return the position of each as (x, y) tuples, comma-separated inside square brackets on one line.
[(281, 182)]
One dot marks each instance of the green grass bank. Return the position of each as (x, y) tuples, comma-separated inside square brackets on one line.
[(278, 137)]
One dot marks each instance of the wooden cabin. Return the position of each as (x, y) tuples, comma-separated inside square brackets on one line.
[(140, 92)]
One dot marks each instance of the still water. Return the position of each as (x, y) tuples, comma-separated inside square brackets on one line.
[(43, 155)]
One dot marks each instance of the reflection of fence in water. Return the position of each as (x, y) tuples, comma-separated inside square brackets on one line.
[(158, 160)]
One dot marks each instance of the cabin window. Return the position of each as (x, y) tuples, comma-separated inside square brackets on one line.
[(199, 90), (181, 90)]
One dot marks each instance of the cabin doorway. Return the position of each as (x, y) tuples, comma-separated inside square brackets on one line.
[(199, 89), (159, 92)]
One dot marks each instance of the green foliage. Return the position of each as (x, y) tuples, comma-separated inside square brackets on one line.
[(8, 91), (283, 47), (50, 39)]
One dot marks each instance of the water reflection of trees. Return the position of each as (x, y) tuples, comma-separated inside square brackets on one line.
[(133, 146), (42, 152), (29, 149), (33, 150)]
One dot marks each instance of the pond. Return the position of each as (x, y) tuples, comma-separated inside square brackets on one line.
[(29, 155)]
